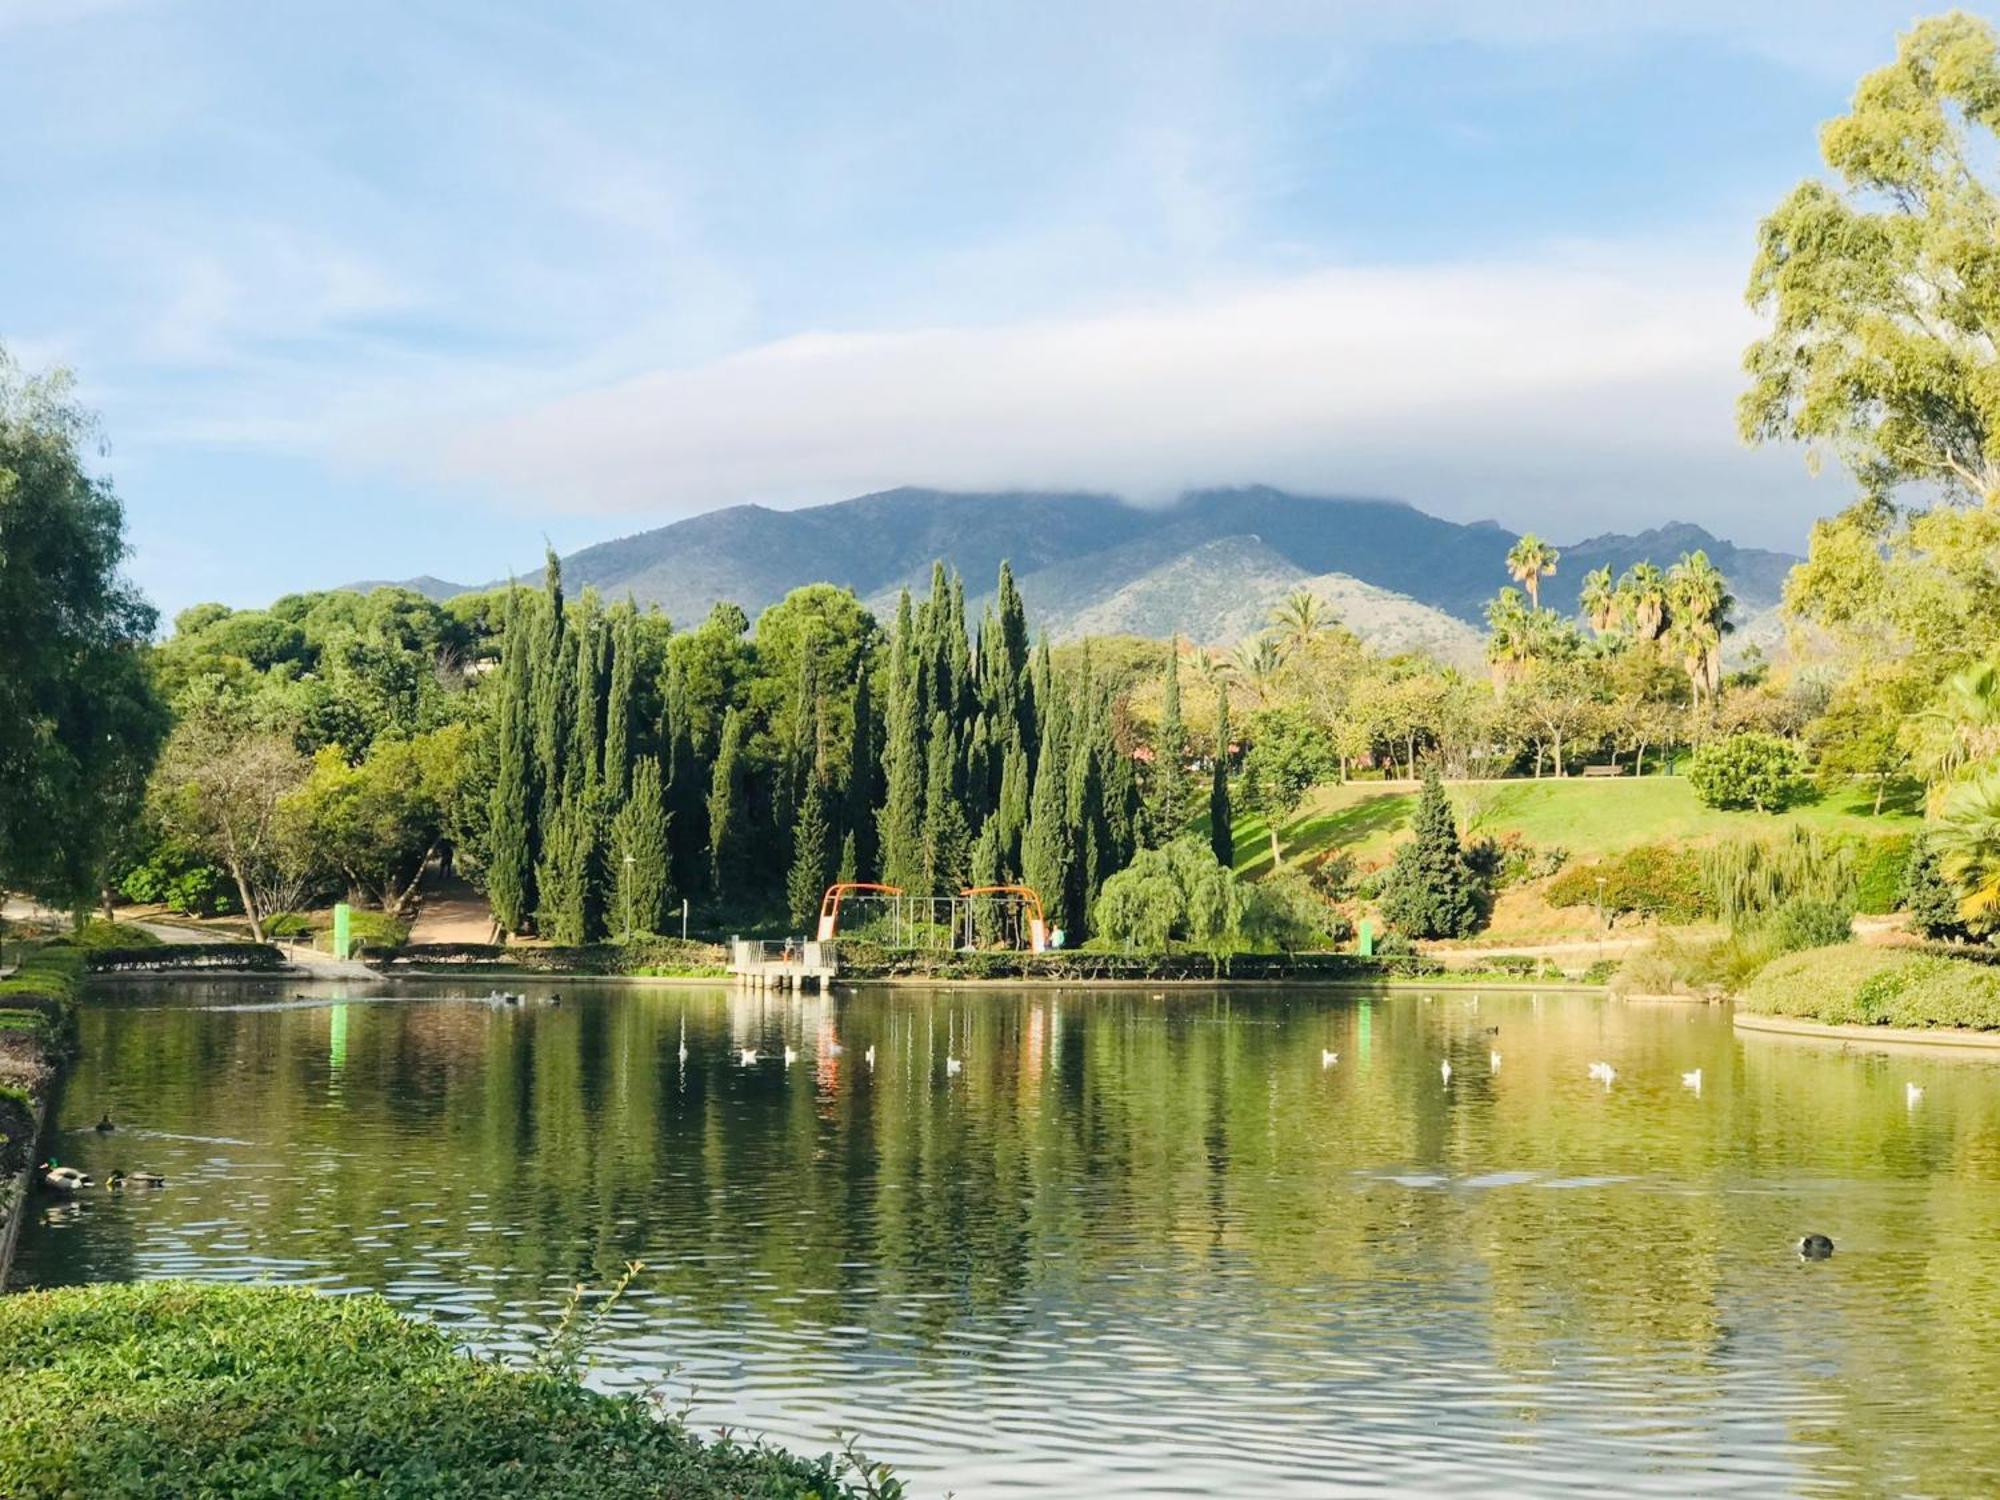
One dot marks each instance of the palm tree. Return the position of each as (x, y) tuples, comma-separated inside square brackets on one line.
[(1258, 660), (1601, 603), (1963, 726), (1699, 602), (1966, 834), (1529, 561), (1645, 589), (1301, 620), (1510, 641)]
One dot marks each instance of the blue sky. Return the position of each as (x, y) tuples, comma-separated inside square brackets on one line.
[(379, 289)]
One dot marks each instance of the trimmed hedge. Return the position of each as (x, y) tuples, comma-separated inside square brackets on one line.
[(173, 1388), (1860, 986), (640, 956), (860, 959), (261, 957)]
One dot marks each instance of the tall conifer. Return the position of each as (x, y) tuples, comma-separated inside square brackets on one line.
[(623, 645), (1221, 824), (946, 840), (1169, 809), (510, 867), (728, 817), (641, 863)]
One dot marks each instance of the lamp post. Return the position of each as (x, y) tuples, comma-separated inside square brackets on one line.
[(684, 919), (1600, 904), (628, 898)]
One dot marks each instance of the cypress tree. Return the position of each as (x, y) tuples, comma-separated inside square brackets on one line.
[(564, 874), (945, 836), (863, 760), (1010, 820), (1046, 847), (1169, 810), (1012, 616), (902, 822), (986, 871), (585, 766), (510, 868), (641, 863), (728, 818), (1221, 824), (1430, 891), (850, 860), (623, 644), (811, 839), (687, 791), (548, 672)]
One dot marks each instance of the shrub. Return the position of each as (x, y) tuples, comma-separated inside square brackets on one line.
[(98, 933), (1806, 922), (177, 878), (1653, 880), (1855, 985), (1749, 770), (1928, 897), (166, 956), (1285, 912), (1332, 875), (169, 1388), (1879, 868), (1749, 879)]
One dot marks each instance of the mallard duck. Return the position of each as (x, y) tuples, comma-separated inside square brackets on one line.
[(63, 1179), (104, 1125), (123, 1179)]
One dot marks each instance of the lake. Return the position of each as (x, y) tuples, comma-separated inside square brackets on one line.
[(1133, 1244)]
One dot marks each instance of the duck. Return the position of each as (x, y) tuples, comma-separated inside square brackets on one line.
[(869, 1056), (1913, 1094), (1815, 1247), (747, 1056), (1328, 1059), (1692, 1080), (952, 1066), (1493, 1061), (104, 1125), (1603, 1072), (790, 1057), (124, 1179), (63, 1179), (1445, 1068)]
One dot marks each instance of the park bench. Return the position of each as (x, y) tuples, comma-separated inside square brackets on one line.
[(1604, 770)]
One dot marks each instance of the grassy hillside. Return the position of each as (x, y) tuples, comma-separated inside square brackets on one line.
[(1586, 817)]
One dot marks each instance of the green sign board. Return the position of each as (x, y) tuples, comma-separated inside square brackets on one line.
[(341, 937), (1367, 945)]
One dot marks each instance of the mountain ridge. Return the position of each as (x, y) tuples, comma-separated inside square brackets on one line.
[(1087, 561)]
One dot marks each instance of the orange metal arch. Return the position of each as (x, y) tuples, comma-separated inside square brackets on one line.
[(1038, 927), (829, 904)]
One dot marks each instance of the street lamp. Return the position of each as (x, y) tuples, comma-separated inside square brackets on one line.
[(628, 898)]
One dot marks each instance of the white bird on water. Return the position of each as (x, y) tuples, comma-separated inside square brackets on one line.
[(1445, 1069), (1913, 1095), (1603, 1072), (951, 1067), (747, 1056), (1493, 1061), (1328, 1059), (869, 1055), (1692, 1080), (790, 1057)]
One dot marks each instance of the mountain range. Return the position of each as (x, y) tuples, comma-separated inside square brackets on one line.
[(1211, 565)]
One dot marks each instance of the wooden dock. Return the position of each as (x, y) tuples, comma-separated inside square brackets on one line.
[(807, 965)]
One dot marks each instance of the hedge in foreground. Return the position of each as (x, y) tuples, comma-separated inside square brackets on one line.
[(175, 1388), (1857, 986)]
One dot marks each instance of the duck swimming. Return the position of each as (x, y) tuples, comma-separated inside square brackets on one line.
[(1815, 1247), (63, 1179), (123, 1179), (104, 1125)]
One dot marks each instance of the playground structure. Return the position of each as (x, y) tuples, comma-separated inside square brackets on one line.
[(982, 916)]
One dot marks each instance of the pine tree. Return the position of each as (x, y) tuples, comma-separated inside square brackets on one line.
[(641, 863), (1221, 824), (728, 818), (1169, 810), (811, 838), (946, 839), (1430, 891), (510, 867)]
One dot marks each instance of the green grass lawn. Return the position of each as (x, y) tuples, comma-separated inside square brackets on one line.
[(1586, 817)]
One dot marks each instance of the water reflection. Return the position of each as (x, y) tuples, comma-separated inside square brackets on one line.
[(1133, 1245)]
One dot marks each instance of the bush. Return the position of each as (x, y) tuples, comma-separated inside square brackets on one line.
[(1853, 985), (1750, 879), (177, 878), (1285, 912), (1804, 922), (160, 957), (98, 933), (1929, 898), (169, 1388), (1653, 880), (1749, 770), (1878, 873)]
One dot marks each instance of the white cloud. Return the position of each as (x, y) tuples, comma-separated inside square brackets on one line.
[(1545, 393)]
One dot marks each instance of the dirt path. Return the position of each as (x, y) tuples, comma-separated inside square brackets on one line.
[(452, 912)]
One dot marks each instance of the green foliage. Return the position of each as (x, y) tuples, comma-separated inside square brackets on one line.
[(728, 817), (1286, 913), (1749, 770), (1853, 985), (1174, 894), (1810, 922), (1748, 880), (180, 879), (564, 877), (1169, 811), (811, 854), (1929, 898), (1660, 881), (99, 933), (1429, 891), (1221, 820), (1289, 755), (640, 859), (157, 1388), (1965, 832), (1879, 867)]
